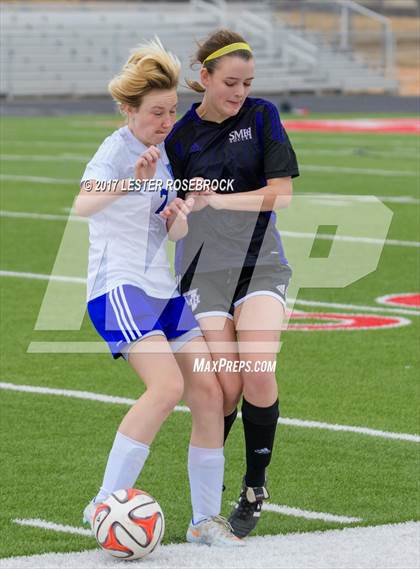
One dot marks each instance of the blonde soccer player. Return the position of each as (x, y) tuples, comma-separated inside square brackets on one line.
[(232, 260), (132, 297)]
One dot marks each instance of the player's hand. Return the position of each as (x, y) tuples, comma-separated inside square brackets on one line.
[(196, 184), (201, 199), (178, 208), (146, 165), (196, 187)]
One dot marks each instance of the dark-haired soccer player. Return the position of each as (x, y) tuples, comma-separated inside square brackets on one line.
[(232, 265)]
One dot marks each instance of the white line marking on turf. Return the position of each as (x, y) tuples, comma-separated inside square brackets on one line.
[(44, 158), (41, 277), (43, 216), (89, 395), (391, 199), (293, 234), (351, 138), (307, 514), (308, 168), (356, 153), (366, 171), (332, 203), (274, 508), (411, 312), (283, 420), (80, 280), (36, 179), (350, 429), (58, 143), (387, 298), (37, 523), (381, 547), (302, 151), (350, 239), (340, 324)]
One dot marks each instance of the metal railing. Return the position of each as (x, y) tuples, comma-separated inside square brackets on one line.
[(346, 26)]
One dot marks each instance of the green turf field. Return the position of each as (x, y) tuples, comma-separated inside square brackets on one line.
[(54, 448)]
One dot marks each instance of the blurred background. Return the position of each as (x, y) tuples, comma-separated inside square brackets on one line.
[(312, 56)]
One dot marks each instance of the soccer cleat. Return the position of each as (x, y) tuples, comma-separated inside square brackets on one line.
[(215, 531), (247, 512), (88, 514)]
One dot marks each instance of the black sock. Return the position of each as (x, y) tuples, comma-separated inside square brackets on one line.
[(229, 420), (260, 425)]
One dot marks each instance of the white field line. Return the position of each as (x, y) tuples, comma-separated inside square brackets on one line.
[(87, 395), (36, 179), (387, 298), (37, 523), (363, 153), (302, 151), (350, 429), (80, 280), (49, 143), (410, 200), (41, 216), (274, 508), (405, 200), (379, 547), (282, 420), (44, 158), (293, 234), (349, 170), (307, 168), (41, 277), (358, 307), (72, 133), (350, 138), (350, 239), (307, 514)]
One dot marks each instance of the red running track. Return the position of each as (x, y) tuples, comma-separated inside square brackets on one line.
[(379, 126)]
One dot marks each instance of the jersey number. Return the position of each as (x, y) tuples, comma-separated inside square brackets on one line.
[(163, 194)]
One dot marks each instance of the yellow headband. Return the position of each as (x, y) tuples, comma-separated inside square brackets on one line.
[(227, 49)]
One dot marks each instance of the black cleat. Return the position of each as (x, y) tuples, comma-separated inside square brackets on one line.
[(247, 512)]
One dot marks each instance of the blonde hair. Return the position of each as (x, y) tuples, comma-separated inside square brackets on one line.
[(216, 40), (149, 67)]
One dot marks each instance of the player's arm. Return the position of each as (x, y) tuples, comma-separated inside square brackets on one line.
[(276, 194), (280, 166), (95, 195)]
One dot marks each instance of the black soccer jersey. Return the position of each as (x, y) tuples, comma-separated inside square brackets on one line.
[(249, 149)]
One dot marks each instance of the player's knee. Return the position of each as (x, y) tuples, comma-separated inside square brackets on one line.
[(208, 393), (232, 391), (256, 383), (172, 394), (230, 402)]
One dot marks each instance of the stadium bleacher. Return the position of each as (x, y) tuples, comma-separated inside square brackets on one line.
[(75, 48)]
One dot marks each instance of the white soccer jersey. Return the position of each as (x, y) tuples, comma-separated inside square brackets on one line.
[(128, 238)]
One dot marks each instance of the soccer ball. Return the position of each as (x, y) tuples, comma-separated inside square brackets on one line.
[(129, 524)]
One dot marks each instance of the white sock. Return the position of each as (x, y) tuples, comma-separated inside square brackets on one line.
[(205, 470), (125, 462)]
